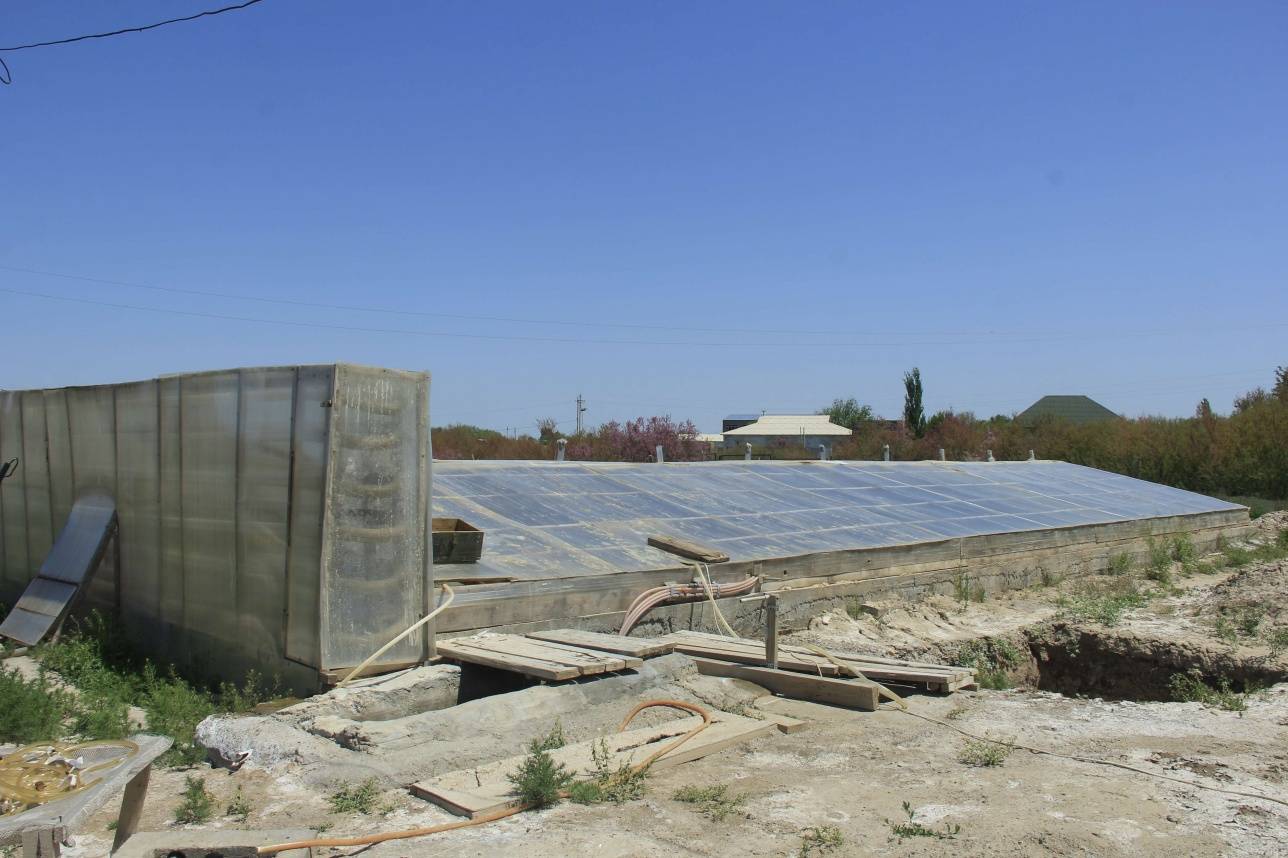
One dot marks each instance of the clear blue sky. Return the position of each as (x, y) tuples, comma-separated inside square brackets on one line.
[(1019, 199)]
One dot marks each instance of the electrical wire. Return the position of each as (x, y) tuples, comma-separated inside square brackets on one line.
[(141, 29), (6, 77)]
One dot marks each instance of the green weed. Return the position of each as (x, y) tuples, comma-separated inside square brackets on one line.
[(817, 841), (553, 740), (197, 805), (1183, 549), (1103, 603), (239, 808), (1190, 688), (992, 660), (617, 785), (1224, 630), (977, 752), (539, 780), (1250, 620), (714, 802), (95, 656), (1160, 556), (912, 828), (32, 710), (1277, 640), (1120, 563), (360, 798)]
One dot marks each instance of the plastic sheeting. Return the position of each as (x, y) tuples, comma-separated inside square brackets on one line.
[(556, 520), (231, 488)]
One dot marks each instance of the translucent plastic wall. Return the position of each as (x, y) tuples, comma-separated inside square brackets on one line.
[(271, 518)]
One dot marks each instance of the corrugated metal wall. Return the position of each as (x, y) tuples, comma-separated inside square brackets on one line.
[(221, 482)]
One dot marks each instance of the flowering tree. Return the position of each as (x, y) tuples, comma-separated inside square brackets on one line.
[(637, 441)]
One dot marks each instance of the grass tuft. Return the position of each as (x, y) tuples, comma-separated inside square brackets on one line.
[(714, 802), (360, 798), (239, 808), (1120, 563)]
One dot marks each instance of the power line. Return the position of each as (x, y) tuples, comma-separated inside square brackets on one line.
[(991, 335), (7, 78)]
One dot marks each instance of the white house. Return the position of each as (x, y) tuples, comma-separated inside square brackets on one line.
[(803, 430)]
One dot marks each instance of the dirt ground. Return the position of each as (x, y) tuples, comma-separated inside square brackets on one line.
[(857, 771)]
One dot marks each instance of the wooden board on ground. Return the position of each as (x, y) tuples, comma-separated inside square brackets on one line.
[(821, 689), (688, 548), (638, 647), (935, 677), (473, 792), (540, 659)]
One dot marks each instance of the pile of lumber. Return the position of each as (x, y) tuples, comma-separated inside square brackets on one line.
[(932, 677), (540, 659)]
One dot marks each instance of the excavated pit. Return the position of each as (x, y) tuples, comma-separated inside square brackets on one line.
[(1089, 661)]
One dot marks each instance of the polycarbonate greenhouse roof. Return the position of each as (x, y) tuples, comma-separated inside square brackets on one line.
[(558, 520)]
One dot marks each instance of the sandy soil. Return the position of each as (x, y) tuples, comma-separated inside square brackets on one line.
[(855, 770)]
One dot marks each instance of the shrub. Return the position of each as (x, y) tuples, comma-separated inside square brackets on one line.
[(977, 752), (197, 805), (991, 659), (1183, 549), (31, 710), (1190, 688), (539, 780), (1120, 563)]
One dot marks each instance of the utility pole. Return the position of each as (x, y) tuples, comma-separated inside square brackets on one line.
[(581, 409)]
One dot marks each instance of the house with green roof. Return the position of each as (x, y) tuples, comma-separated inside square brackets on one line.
[(1073, 409)]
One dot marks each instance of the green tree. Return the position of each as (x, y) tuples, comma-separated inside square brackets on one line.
[(1280, 390), (848, 412), (914, 415)]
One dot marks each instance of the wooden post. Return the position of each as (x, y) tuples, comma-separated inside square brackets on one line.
[(40, 843), (127, 822), (771, 631)]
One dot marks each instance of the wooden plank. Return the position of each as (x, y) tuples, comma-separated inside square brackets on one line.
[(638, 647), (794, 658), (501, 661), (688, 548), (821, 689), (542, 659), (590, 661), (784, 723), (473, 792)]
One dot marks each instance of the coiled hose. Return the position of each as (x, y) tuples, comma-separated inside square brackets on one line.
[(343, 842), (37, 774)]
